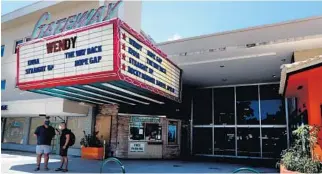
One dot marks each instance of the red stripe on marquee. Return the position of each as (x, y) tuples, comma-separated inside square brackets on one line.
[(70, 81), (138, 36)]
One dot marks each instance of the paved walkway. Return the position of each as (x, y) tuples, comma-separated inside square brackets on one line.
[(21, 162)]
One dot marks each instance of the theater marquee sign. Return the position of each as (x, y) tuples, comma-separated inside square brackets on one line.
[(98, 53)]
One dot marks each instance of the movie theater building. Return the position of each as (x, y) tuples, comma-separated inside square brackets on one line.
[(236, 108), (93, 67)]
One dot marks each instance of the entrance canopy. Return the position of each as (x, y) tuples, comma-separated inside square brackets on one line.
[(297, 77), (107, 62), (244, 56)]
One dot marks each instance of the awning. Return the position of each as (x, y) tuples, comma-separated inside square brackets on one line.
[(288, 69)]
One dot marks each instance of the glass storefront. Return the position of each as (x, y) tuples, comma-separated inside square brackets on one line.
[(247, 105), (243, 121), (202, 141), (77, 125), (224, 106), (35, 122), (14, 130)]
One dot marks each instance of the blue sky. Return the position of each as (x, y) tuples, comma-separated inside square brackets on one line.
[(164, 20)]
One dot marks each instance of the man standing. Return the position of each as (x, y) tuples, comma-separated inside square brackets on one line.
[(44, 134), (64, 142)]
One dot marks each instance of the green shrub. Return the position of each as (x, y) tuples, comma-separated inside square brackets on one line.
[(299, 156)]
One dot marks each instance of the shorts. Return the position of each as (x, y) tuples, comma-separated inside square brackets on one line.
[(62, 151), (43, 149)]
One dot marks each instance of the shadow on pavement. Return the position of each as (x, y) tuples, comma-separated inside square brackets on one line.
[(73, 168), (26, 164)]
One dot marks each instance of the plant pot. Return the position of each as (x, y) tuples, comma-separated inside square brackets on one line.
[(284, 170), (95, 153)]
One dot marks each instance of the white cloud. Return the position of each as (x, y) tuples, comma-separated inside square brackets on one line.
[(174, 37)]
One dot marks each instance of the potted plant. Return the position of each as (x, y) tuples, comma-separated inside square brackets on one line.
[(300, 158), (91, 147)]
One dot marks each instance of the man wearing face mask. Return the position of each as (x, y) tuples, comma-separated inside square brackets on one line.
[(44, 133), (64, 144)]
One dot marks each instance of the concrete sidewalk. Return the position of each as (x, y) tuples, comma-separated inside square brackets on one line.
[(21, 162)]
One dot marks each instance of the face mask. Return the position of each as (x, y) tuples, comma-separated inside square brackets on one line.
[(60, 127), (47, 123)]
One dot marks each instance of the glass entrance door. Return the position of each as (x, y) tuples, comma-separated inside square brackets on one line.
[(55, 141), (55, 122)]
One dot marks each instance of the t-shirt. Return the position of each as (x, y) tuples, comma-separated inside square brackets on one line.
[(44, 135), (64, 132)]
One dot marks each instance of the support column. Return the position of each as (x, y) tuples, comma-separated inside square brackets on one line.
[(26, 130)]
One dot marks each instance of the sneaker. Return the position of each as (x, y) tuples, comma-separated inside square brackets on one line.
[(37, 169), (58, 169), (46, 169), (65, 170)]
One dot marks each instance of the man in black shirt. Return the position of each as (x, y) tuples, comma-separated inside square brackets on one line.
[(64, 141), (44, 134)]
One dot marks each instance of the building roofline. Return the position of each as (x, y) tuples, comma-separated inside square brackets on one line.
[(289, 69), (241, 30), (38, 5)]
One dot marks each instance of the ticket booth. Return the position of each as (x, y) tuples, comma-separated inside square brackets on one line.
[(148, 137)]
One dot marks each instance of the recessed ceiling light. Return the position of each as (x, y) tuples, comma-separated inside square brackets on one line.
[(273, 76), (221, 66)]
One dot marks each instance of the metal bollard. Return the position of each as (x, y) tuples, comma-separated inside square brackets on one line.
[(115, 160), (245, 170)]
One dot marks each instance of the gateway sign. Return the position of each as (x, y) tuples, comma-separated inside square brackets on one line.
[(99, 53), (103, 13)]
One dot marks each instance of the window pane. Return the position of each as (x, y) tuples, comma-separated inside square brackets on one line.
[(77, 125), (248, 142), (224, 105), (14, 130), (2, 50), (272, 105), (17, 43), (202, 140), (28, 39), (35, 122), (224, 141), (172, 132), (152, 131), (247, 105), (3, 84), (202, 107), (136, 131), (274, 141)]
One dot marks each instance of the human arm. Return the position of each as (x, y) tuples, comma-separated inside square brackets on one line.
[(57, 132), (67, 141), (36, 133)]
